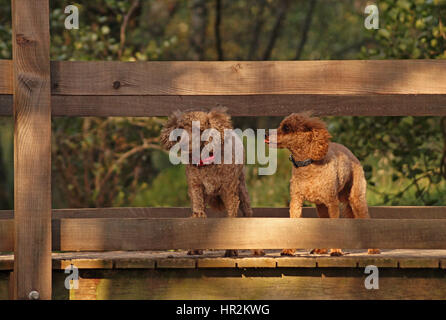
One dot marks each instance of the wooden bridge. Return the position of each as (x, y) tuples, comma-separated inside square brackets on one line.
[(114, 247)]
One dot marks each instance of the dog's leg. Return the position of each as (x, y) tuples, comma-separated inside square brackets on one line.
[(357, 199), (245, 203), (245, 207), (333, 212), (322, 212), (231, 201), (348, 212), (295, 212), (196, 194)]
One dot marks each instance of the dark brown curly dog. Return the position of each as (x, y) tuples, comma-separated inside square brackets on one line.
[(324, 173), (221, 186)]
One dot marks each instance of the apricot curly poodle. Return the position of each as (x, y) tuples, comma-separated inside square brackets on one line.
[(323, 172)]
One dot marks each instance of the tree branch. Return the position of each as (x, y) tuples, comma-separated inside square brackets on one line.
[(305, 29), (135, 4), (282, 11), (217, 24), (146, 145), (198, 28), (258, 27)]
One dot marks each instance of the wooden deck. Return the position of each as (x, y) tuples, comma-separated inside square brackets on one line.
[(215, 259), (404, 274)]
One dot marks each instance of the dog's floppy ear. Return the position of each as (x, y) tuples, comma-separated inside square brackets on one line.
[(219, 119), (320, 138), (171, 124)]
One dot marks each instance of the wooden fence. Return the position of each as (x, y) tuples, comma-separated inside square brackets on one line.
[(32, 88)]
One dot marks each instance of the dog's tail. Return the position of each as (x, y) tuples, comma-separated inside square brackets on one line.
[(245, 203), (357, 197)]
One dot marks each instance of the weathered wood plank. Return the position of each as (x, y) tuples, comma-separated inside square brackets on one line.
[(419, 263), (6, 68), (179, 263), (244, 97), (216, 263), (273, 283), (391, 212), (4, 286), (378, 261), (341, 262), (252, 105), (32, 148), (215, 259), (296, 262), (245, 233), (6, 105), (346, 77), (6, 235), (134, 264), (247, 78), (84, 263), (256, 263)]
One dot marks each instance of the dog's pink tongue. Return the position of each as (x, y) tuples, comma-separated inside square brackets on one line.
[(209, 159)]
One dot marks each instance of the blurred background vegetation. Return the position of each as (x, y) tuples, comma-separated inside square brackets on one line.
[(100, 162)]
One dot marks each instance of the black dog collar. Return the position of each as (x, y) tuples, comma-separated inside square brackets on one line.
[(299, 164)]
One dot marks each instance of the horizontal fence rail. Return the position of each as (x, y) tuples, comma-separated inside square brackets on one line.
[(261, 88), (109, 234), (384, 212)]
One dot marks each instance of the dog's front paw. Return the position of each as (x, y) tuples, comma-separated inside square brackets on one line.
[(373, 251), (336, 252), (319, 251), (231, 253), (195, 252), (287, 252), (258, 253)]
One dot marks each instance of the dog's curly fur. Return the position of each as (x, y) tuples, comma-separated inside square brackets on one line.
[(334, 177), (221, 186)]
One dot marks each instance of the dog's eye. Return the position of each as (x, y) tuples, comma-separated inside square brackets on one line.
[(285, 128)]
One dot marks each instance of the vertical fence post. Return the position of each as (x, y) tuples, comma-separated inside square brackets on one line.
[(32, 149)]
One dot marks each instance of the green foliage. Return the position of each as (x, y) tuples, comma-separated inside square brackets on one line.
[(168, 189), (405, 152), (409, 30), (102, 162), (402, 156)]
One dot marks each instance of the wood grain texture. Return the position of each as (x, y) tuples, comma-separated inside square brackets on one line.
[(32, 148), (382, 212), (108, 234), (253, 105), (6, 103), (389, 258), (247, 78), (6, 83), (4, 286), (332, 93), (6, 235), (345, 77), (261, 283), (241, 106)]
